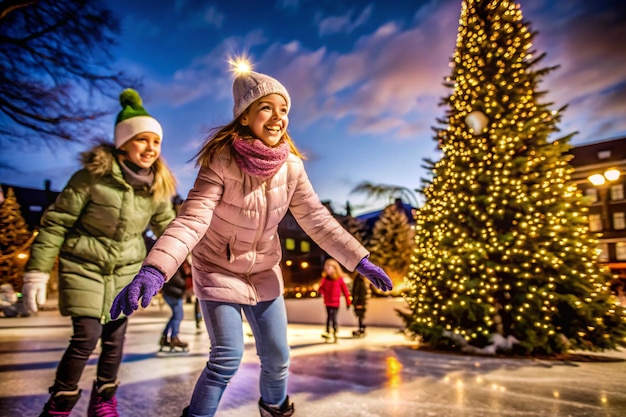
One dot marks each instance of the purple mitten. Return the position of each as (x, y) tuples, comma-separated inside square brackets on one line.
[(145, 285), (375, 274)]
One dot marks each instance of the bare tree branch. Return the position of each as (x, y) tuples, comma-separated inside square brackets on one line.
[(55, 76)]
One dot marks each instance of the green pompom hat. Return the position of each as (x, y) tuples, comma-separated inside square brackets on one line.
[(133, 119)]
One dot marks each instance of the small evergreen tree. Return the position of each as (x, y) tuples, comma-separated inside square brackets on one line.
[(504, 258), (15, 240), (392, 242), (354, 226)]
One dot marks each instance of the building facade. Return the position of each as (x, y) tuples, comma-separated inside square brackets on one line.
[(600, 173)]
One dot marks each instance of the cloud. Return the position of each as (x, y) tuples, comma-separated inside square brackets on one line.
[(214, 17), (288, 4), (207, 77), (343, 24), (585, 40), (193, 16), (390, 72), (140, 27)]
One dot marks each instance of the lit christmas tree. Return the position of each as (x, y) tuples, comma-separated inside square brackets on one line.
[(504, 260), (15, 240)]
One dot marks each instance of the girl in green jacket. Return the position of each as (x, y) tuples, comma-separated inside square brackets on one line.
[(95, 228)]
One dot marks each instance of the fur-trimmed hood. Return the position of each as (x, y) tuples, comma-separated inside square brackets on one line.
[(100, 159)]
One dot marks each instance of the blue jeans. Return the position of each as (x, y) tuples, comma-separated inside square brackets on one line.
[(173, 325), (224, 323)]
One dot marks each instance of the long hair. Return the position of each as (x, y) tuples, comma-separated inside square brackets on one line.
[(164, 184), (337, 269), (223, 136)]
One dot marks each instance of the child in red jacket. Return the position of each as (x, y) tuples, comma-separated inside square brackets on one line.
[(331, 288)]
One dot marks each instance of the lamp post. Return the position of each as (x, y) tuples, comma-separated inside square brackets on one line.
[(601, 181)]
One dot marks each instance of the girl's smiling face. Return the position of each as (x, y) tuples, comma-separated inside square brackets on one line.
[(143, 149), (267, 118)]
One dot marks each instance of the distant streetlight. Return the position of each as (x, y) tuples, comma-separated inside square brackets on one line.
[(599, 180), (609, 175)]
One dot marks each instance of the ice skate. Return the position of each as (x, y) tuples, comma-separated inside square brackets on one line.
[(103, 401), (60, 403), (163, 343), (285, 410), (359, 333), (326, 336), (177, 345)]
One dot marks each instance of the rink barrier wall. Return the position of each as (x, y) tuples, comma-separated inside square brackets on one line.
[(381, 312)]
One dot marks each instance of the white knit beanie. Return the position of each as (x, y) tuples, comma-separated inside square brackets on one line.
[(133, 119), (251, 86)]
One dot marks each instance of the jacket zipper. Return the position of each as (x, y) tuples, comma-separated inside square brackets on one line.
[(262, 224)]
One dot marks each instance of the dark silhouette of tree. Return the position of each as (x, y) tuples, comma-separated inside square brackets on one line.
[(55, 75)]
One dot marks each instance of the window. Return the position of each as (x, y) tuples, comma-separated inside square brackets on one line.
[(305, 246), (620, 251), (618, 221), (604, 154), (595, 222), (592, 193), (603, 252), (290, 244), (617, 192)]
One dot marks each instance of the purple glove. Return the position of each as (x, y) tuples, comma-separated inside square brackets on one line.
[(145, 285), (375, 274)]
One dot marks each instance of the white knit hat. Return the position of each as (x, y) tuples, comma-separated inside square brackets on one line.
[(133, 119), (251, 86)]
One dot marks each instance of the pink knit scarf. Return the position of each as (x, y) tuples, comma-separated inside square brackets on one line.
[(259, 160)]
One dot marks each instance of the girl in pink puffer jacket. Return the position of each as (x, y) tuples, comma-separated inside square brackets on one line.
[(250, 174)]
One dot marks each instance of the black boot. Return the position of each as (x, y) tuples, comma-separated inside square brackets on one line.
[(285, 410), (60, 403), (185, 412)]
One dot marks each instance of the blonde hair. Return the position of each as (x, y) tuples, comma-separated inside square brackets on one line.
[(164, 184), (223, 136), (337, 269)]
